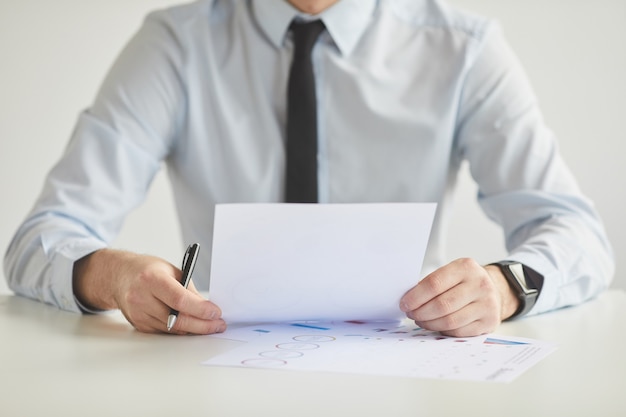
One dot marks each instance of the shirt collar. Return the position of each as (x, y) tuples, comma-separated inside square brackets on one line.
[(346, 21)]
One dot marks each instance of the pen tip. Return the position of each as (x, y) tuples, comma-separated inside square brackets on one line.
[(171, 319)]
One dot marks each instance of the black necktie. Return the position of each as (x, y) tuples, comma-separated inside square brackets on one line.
[(301, 175)]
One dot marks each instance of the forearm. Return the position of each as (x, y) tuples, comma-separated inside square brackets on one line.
[(38, 263), (574, 257), (525, 186)]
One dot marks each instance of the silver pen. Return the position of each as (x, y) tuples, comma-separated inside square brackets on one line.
[(189, 262)]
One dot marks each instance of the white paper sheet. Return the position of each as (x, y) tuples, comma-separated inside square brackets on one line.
[(392, 349), (288, 262)]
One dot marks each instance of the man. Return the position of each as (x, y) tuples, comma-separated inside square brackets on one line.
[(405, 92)]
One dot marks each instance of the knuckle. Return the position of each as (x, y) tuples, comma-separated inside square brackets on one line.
[(179, 301), (443, 305), (485, 282), (450, 322), (467, 264), (436, 283), (145, 276)]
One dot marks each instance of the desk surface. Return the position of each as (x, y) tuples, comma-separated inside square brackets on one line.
[(58, 363)]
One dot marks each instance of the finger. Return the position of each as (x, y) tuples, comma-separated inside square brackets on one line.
[(192, 287), (428, 288), (176, 297), (139, 309), (192, 325), (475, 328), (149, 315), (183, 326), (190, 319), (443, 305), (469, 321), (145, 323)]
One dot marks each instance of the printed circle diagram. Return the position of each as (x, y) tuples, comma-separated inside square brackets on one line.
[(288, 351), (314, 338), (297, 346), (281, 354)]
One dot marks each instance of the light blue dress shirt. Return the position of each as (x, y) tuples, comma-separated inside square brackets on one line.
[(407, 90)]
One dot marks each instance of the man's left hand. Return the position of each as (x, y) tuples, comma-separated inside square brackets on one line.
[(461, 299)]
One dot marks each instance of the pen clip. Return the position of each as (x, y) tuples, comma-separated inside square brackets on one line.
[(189, 262)]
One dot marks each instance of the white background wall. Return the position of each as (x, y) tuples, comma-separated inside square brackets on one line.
[(54, 54)]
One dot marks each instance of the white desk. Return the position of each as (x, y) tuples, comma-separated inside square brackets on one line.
[(54, 363)]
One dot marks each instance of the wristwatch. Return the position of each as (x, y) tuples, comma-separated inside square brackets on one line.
[(525, 282)]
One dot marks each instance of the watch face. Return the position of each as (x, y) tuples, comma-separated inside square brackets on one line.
[(526, 285)]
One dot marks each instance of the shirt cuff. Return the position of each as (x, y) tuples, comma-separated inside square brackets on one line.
[(63, 289), (86, 310)]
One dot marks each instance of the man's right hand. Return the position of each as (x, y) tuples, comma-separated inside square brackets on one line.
[(144, 288)]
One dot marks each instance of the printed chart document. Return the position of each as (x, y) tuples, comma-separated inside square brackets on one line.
[(392, 349), (327, 280), (288, 262)]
